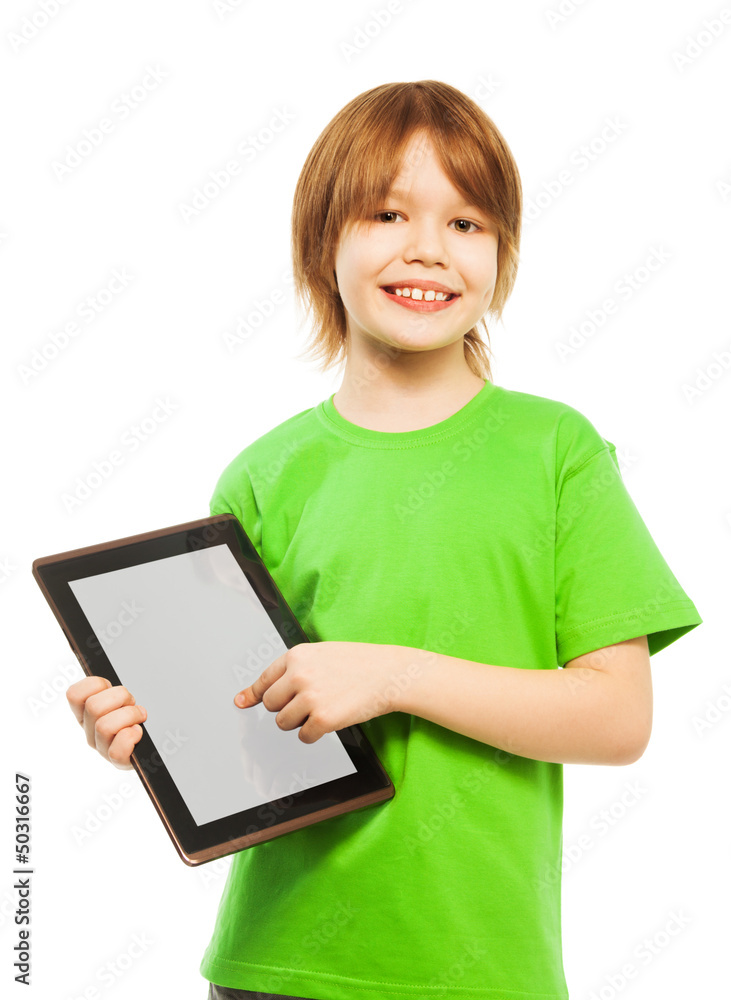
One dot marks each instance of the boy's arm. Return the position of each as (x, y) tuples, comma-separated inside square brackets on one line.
[(597, 710)]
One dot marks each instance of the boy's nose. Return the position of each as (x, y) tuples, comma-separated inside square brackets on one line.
[(425, 243)]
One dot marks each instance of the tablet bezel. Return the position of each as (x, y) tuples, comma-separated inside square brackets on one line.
[(196, 844)]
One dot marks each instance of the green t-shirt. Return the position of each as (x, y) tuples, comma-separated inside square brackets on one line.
[(503, 535)]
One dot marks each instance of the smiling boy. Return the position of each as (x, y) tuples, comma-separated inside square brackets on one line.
[(439, 630), (447, 544)]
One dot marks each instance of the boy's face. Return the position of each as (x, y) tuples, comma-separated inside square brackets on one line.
[(424, 231)]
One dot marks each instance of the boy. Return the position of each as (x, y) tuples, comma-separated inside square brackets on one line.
[(446, 544)]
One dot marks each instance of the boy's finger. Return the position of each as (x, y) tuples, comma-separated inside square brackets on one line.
[(100, 704), (124, 744), (255, 692), (124, 722), (78, 692)]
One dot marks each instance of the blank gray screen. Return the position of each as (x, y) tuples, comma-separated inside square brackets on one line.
[(184, 635)]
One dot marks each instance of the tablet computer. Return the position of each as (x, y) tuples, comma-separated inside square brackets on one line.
[(184, 618)]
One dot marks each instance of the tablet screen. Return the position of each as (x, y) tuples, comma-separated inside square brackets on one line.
[(185, 634)]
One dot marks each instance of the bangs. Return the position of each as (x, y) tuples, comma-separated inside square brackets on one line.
[(367, 163)]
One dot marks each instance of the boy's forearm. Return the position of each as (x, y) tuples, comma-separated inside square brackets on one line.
[(550, 715)]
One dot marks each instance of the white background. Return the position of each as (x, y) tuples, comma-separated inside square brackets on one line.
[(104, 868)]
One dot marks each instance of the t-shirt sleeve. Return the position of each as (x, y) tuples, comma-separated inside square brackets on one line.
[(612, 581), (234, 494)]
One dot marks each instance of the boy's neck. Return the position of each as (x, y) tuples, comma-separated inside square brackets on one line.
[(388, 403)]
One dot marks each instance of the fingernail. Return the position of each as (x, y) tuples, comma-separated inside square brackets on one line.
[(240, 700)]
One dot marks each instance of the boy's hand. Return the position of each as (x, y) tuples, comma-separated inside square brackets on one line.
[(331, 685), (109, 717)]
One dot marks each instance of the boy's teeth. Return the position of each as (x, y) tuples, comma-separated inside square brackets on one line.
[(418, 293)]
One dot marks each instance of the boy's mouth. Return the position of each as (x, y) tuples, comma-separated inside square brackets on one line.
[(419, 294), (419, 302)]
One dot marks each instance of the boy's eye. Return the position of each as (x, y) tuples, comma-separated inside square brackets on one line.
[(390, 212), (469, 223)]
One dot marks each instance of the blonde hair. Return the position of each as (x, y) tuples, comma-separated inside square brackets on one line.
[(349, 172)]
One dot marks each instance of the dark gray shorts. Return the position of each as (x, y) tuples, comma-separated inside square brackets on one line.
[(228, 993)]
